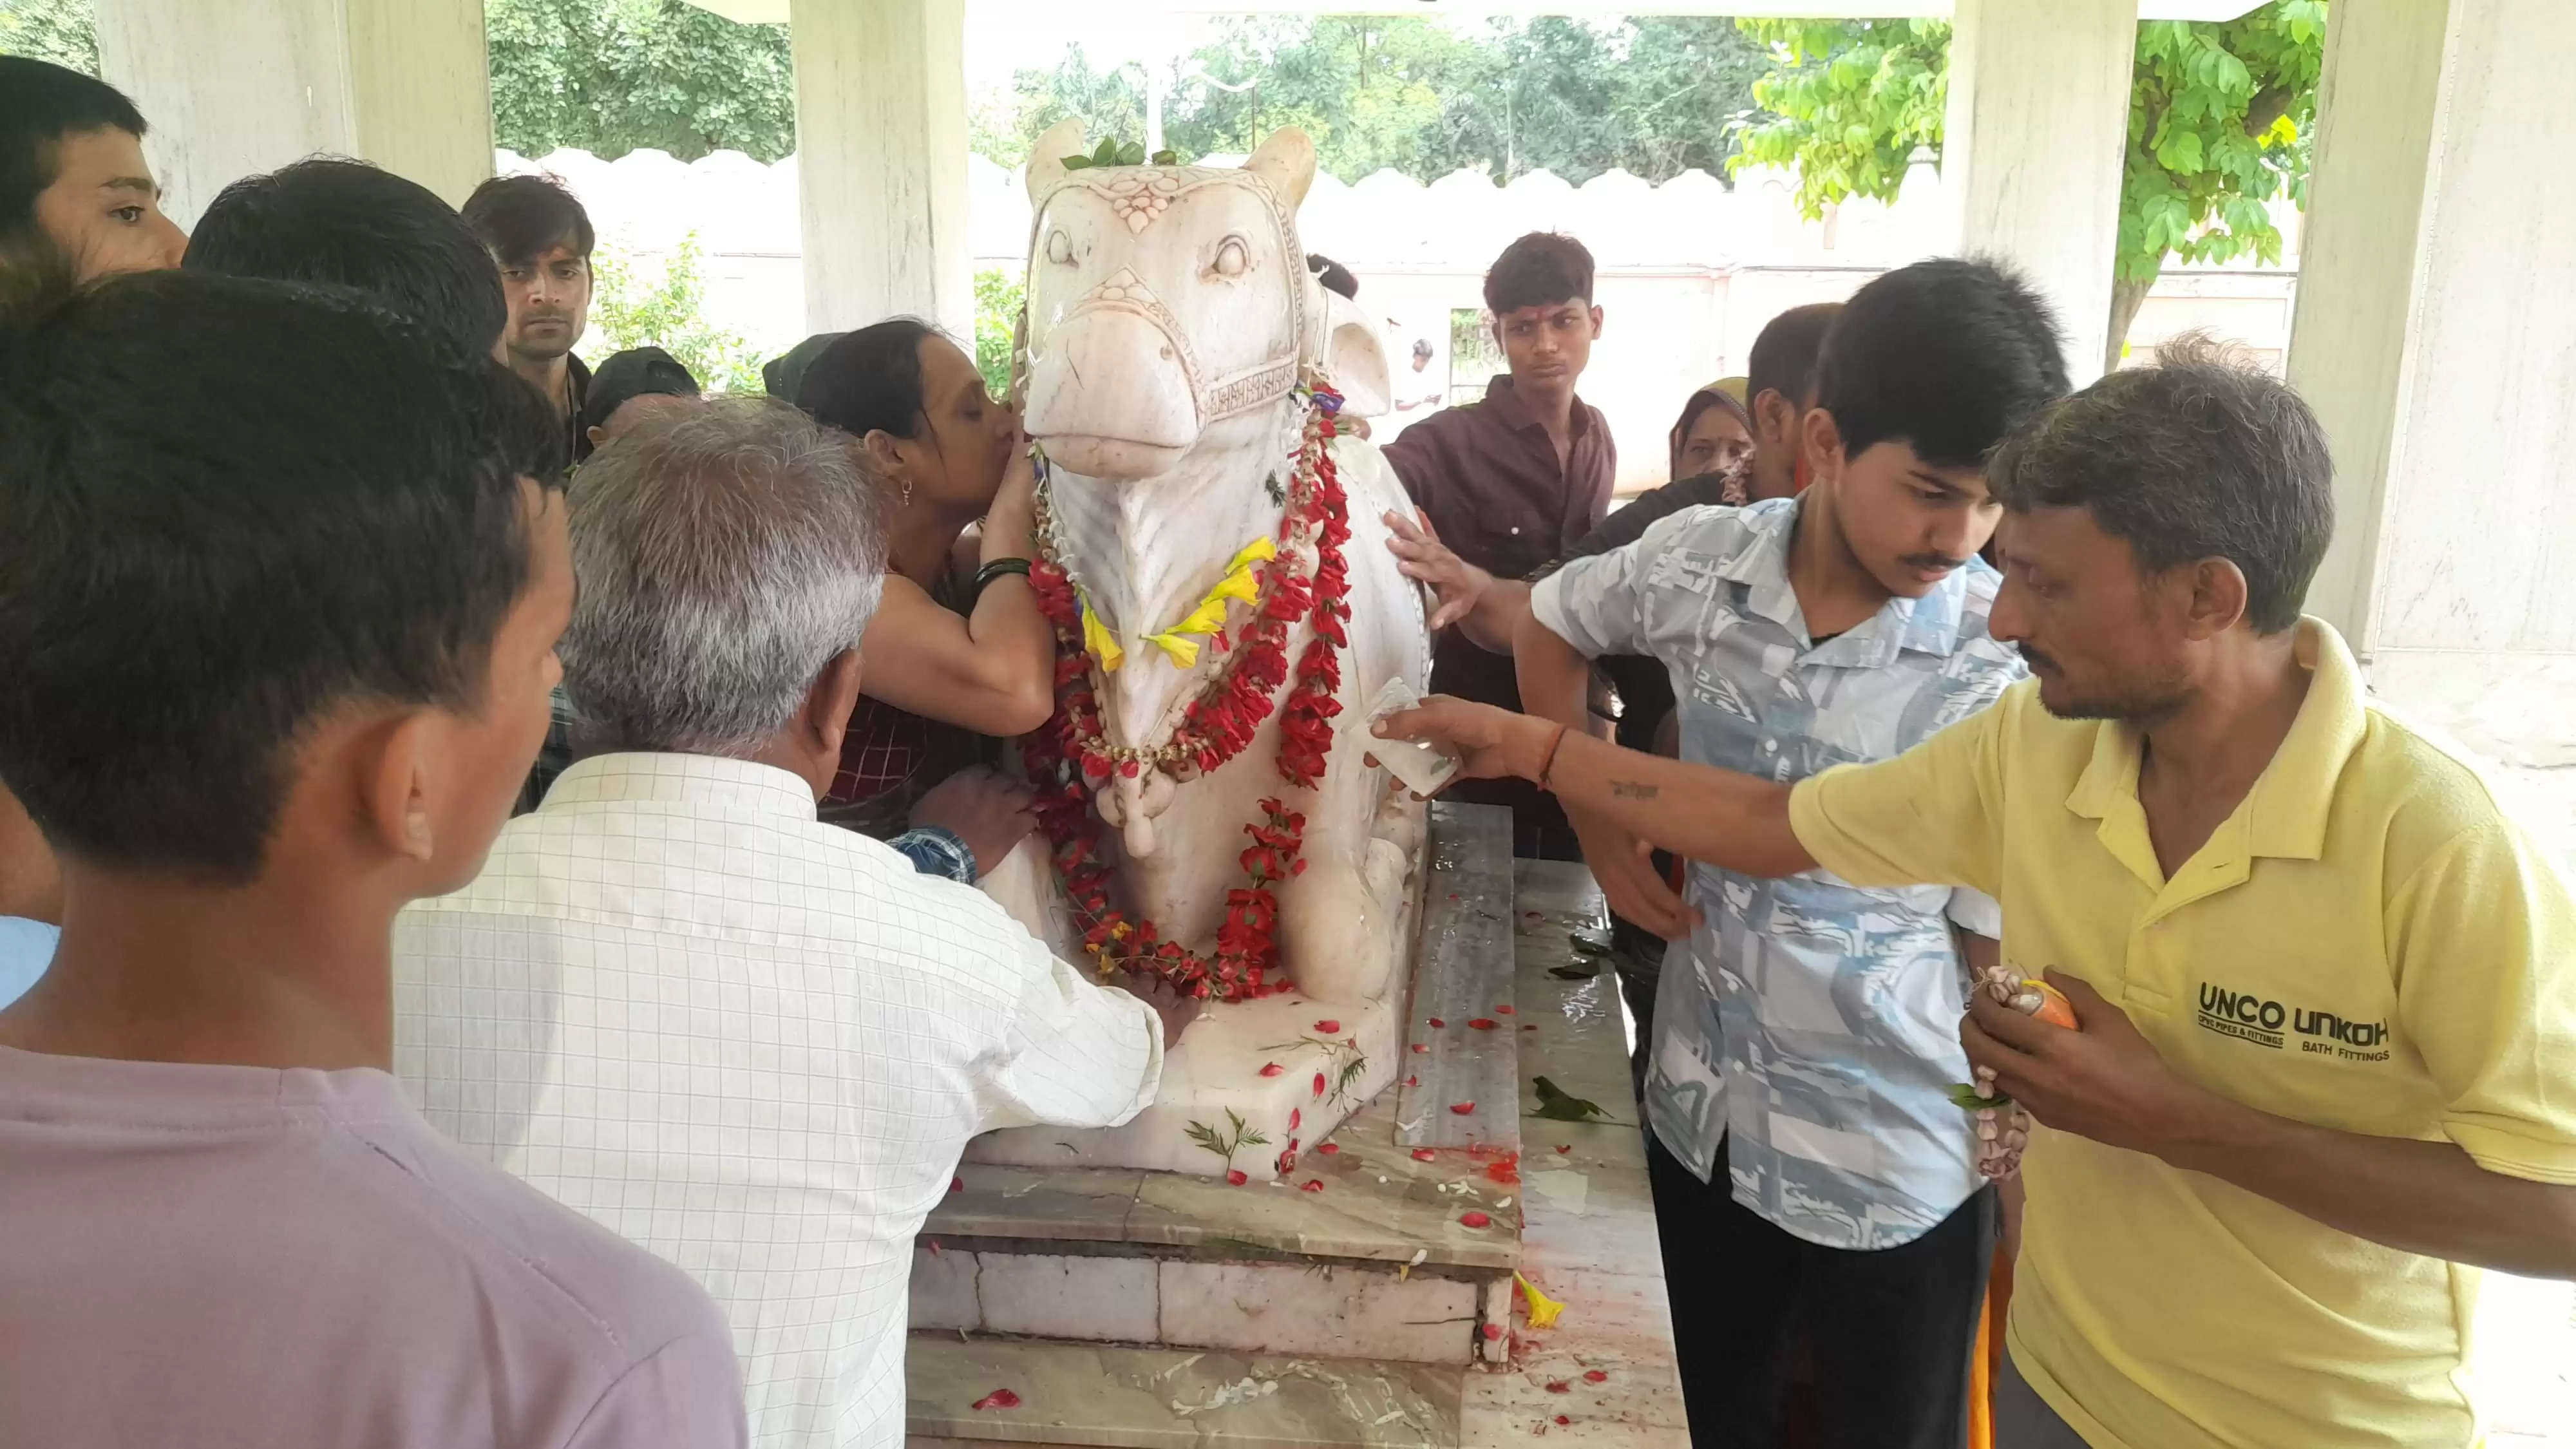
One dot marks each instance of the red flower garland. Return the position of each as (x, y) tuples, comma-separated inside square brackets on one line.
[(1070, 759)]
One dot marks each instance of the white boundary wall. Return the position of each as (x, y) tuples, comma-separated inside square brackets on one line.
[(1690, 270)]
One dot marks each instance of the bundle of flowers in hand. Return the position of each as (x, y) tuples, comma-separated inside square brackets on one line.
[(2003, 1128)]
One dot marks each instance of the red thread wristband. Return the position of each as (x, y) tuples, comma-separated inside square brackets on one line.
[(1547, 765)]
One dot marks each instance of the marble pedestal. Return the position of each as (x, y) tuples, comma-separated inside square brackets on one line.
[(1341, 1242), (1600, 1376)]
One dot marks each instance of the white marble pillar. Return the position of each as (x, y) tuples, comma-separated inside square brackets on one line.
[(2033, 147), (250, 85), (881, 141), (2435, 334)]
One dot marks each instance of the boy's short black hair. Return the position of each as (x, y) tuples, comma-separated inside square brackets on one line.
[(1784, 357), (2201, 455), (521, 218), (40, 104), (1540, 270), (227, 508), (1948, 355), (349, 224)]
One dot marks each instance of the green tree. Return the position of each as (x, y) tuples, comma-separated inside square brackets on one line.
[(999, 296), (2219, 115), (1846, 103), (634, 307), (62, 31), (612, 76), (1110, 102), (1655, 96)]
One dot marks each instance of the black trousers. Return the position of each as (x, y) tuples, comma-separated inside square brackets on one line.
[(1888, 1335)]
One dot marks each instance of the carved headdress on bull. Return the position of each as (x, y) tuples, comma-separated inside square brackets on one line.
[(1220, 580)]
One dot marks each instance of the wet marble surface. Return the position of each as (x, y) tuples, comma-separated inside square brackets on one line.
[(1593, 1248), (1213, 1079), (1163, 1399), (1376, 1203), (1463, 980)]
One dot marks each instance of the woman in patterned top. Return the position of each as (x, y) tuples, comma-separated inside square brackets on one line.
[(957, 653)]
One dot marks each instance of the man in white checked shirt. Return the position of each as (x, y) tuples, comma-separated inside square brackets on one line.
[(753, 1043)]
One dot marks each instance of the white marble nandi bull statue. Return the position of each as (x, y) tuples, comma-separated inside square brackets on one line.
[(1172, 331)]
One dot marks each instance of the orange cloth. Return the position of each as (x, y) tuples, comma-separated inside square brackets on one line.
[(1989, 1364)]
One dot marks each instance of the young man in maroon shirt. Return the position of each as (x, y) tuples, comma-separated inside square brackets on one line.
[(1517, 479)]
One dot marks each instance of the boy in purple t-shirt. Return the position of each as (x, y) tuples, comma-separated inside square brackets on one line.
[(278, 603)]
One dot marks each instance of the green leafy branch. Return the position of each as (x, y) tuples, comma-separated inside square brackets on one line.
[(1220, 1143), (1119, 153), (1349, 1061)]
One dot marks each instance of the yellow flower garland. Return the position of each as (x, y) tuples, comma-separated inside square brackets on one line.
[(1181, 641)]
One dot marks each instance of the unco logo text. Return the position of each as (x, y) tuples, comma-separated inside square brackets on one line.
[(2265, 1022)]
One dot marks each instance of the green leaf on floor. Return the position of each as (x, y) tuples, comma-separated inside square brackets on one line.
[(1574, 973), (1591, 940), (1558, 1105)]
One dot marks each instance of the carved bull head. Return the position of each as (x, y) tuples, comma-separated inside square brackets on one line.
[(1163, 300)]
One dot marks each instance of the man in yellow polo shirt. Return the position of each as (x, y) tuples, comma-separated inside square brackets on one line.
[(2327, 1063)]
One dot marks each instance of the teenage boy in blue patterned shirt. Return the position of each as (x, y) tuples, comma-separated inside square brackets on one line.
[(1817, 1190)]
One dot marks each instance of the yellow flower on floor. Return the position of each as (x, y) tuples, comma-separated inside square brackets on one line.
[(1542, 1309)]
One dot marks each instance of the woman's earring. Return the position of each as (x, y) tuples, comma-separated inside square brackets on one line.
[(907, 494)]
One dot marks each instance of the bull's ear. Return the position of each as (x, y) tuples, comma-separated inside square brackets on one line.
[(1047, 153), (1286, 160), (1355, 355)]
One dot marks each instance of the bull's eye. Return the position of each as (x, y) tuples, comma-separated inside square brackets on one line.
[(1232, 257), (1059, 248)]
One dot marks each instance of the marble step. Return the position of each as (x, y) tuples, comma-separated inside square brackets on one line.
[(1367, 1248), (1153, 1398), (1333, 1309), (1378, 1261)]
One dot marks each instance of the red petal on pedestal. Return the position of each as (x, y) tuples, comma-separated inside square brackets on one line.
[(1475, 1220), (999, 1399), (1271, 1069), (1462, 1108)]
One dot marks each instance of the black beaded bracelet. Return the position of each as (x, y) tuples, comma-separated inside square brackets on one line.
[(995, 569)]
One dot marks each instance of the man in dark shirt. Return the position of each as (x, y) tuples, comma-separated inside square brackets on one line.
[(1517, 479), (542, 239)]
